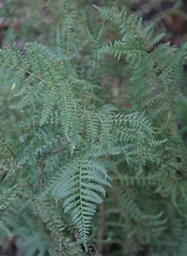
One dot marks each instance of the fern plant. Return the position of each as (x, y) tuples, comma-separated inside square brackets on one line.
[(71, 148), (55, 99)]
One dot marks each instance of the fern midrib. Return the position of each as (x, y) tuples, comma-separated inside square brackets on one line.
[(81, 200)]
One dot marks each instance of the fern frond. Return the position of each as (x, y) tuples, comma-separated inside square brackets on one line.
[(153, 73), (80, 184)]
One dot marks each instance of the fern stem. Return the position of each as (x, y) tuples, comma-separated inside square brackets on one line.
[(101, 225), (81, 205)]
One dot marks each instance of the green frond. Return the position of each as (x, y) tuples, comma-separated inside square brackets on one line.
[(80, 184), (153, 75), (136, 37)]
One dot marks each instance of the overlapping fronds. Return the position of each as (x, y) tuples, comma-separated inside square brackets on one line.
[(71, 147), (56, 99)]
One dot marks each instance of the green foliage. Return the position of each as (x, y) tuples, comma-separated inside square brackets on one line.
[(65, 151)]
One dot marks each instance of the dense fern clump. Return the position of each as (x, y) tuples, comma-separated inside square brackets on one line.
[(69, 152)]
